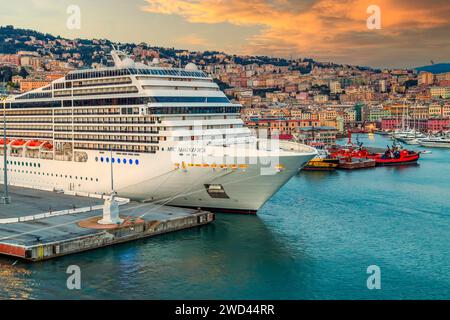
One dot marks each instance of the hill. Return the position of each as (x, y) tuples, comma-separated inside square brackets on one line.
[(435, 68)]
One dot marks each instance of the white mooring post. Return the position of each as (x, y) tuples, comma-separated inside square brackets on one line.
[(111, 211), (111, 206)]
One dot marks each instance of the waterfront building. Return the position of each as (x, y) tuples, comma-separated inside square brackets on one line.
[(425, 78), (443, 79), (318, 134), (9, 59), (376, 114), (321, 98), (424, 125), (335, 87), (440, 92), (382, 85)]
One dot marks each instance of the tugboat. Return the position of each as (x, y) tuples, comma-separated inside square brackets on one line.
[(396, 156), (353, 156), (323, 161)]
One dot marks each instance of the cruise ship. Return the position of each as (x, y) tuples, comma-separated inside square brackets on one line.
[(148, 133)]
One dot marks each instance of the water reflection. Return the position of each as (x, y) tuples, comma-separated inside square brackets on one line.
[(15, 280)]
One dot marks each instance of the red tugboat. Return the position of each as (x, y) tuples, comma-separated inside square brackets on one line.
[(391, 157), (396, 156)]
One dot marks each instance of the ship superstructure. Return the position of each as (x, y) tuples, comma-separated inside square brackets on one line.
[(161, 134)]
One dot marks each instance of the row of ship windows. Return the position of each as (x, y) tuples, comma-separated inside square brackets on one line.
[(116, 101), (118, 160), (206, 80), (133, 71), (94, 127), (117, 147), (51, 174), (37, 95), (24, 164), (96, 91)]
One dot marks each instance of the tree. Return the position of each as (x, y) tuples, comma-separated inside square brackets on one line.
[(5, 74), (23, 73)]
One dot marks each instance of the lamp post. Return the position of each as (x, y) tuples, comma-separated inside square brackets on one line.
[(111, 212), (6, 199)]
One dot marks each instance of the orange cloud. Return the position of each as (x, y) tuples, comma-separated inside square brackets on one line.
[(193, 40), (321, 28)]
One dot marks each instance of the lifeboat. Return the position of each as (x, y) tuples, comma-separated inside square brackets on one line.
[(34, 144), (16, 144), (47, 146), (2, 142)]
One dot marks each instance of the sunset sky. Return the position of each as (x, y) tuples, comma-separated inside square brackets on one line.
[(412, 33)]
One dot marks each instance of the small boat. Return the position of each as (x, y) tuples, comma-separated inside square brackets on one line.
[(396, 157), (436, 142), (426, 152), (47, 146), (356, 163), (2, 142), (321, 164), (34, 144), (410, 137), (17, 144)]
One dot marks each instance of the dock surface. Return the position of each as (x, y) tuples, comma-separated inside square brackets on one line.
[(31, 202), (46, 236)]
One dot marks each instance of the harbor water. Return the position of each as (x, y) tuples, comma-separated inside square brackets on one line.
[(314, 239)]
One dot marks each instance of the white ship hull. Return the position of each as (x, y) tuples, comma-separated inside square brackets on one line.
[(158, 179), (435, 144)]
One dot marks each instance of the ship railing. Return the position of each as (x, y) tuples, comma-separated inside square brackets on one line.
[(289, 146)]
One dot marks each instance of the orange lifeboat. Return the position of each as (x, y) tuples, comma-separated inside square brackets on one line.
[(16, 144), (34, 144), (2, 142), (47, 146)]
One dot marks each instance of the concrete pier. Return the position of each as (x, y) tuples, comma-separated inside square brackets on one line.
[(28, 230)]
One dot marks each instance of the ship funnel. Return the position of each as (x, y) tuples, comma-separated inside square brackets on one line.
[(122, 60)]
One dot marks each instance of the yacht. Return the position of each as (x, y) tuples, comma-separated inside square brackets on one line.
[(148, 133), (436, 142), (410, 137)]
